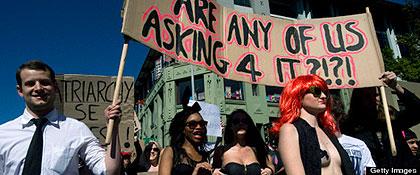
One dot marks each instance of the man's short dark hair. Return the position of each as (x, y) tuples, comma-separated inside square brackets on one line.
[(34, 65)]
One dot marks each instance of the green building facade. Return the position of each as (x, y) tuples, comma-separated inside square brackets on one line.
[(163, 100)]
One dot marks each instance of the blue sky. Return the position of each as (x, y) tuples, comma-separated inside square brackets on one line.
[(74, 37)]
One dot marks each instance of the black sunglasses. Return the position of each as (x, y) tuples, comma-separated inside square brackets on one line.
[(155, 149), (193, 124), (317, 91)]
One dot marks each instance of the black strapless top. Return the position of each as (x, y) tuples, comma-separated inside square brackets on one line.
[(182, 169), (233, 168), (185, 169)]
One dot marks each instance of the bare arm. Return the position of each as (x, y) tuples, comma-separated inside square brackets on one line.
[(269, 170), (113, 157), (289, 150), (217, 160), (165, 162)]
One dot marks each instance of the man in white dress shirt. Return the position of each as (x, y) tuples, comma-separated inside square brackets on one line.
[(63, 141)]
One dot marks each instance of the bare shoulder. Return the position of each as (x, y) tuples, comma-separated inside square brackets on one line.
[(289, 149), (288, 135), (168, 151), (165, 163), (287, 129), (167, 154)]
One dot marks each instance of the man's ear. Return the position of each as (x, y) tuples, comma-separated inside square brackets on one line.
[(19, 90)]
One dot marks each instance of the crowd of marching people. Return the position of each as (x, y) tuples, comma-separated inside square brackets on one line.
[(313, 135)]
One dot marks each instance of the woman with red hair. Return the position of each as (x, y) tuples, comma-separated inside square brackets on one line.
[(307, 143)]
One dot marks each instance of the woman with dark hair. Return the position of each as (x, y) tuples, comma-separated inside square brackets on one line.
[(367, 122), (186, 154), (150, 158), (307, 143), (244, 151)]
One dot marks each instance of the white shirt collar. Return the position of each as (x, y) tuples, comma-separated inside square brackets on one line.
[(52, 117)]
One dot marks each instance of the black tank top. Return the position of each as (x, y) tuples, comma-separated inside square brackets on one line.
[(184, 165)]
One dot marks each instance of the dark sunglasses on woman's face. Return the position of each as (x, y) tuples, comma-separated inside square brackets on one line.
[(316, 91), (193, 124), (155, 149)]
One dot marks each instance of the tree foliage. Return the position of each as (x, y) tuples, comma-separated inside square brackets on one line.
[(408, 66)]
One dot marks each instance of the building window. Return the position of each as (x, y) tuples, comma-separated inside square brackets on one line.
[(233, 90), (168, 61), (254, 89), (382, 39), (152, 117), (320, 10), (183, 84), (245, 3), (157, 70), (285, 8), (199, 87), (273, 93)]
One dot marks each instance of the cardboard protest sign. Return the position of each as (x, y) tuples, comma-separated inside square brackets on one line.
[(255, 48), (210, 113), (85, 97)]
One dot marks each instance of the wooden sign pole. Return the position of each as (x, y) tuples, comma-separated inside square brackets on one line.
[(117, 89), (382, 88), (388, 122)]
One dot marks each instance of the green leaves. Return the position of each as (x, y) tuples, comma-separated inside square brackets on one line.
[(408, 66)]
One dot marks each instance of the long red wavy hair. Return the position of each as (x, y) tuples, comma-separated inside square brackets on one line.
[(291, 102)]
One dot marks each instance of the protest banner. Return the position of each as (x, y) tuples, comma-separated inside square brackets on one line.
[(255, 48), (85, 97)]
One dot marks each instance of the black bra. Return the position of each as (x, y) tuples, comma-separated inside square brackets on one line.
[(233, 168)]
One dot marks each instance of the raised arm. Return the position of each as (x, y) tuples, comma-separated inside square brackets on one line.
[(407, 117), (135, 165), (289, 150), (390, 79), (113, 157)]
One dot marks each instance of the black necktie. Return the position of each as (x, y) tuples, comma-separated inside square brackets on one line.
[(34, 155)]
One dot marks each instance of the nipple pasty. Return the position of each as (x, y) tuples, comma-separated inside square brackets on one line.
[(325, 158)]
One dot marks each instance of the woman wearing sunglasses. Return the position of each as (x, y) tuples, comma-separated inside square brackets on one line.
[(186, 154), (307, 143), (245, 152), (150, 158)]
